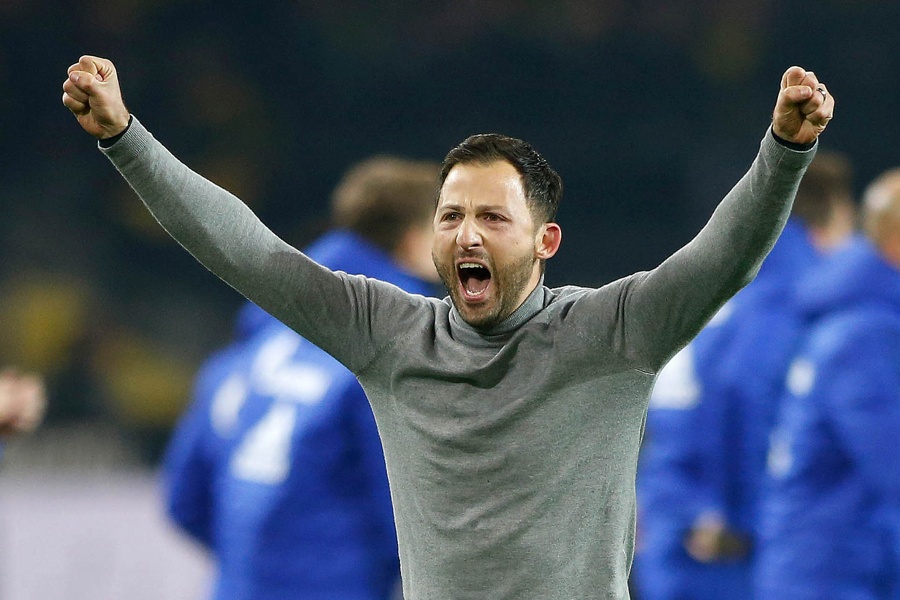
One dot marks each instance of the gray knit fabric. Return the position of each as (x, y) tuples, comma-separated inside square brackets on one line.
[(511, 452)]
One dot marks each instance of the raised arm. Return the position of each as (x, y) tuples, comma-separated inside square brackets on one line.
[(333, 310), (664, 308)]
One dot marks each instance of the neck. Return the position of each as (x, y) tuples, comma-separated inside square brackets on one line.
[(890, 250)]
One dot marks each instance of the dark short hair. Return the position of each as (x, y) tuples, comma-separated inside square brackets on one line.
[(542, 185), (828, 182), (380, 198)]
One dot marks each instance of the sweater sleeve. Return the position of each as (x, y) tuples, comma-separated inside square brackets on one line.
[(331, 309), (657, 312)]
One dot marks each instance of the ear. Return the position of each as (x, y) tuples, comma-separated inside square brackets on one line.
[(548, 240), (890, 248)]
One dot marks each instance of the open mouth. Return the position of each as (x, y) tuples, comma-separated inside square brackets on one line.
[(475, 279)]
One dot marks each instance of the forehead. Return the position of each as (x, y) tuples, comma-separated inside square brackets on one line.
[(475, 184)]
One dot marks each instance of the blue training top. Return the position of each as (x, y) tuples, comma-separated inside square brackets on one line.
[(708, 425), (713, 402), (277, 466), (831, 513)]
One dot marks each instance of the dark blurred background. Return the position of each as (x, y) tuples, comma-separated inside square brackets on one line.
[(650, 110)]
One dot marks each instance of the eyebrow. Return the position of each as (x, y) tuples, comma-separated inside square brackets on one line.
[(479, 208)]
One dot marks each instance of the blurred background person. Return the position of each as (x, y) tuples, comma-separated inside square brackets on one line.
[(713, 406), (277, 467), (23, 401), (832, 503)]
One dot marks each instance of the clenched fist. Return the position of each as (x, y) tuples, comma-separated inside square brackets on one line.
[(91, 91), (804, 107)]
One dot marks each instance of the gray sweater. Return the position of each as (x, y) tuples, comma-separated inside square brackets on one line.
[(511, 452)]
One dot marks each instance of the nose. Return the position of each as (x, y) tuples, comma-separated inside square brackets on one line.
[(468, 236)]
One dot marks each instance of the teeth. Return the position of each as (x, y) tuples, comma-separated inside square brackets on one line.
[(469, 266)]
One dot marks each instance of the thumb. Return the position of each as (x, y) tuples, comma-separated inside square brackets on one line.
[(85, 81), (793, 76)]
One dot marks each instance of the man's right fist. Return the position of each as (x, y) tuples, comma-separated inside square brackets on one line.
[(91, 91)]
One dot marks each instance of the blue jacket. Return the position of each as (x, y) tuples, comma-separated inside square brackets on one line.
[(277, 465), (708, 423), (712, 405), (829, 526)]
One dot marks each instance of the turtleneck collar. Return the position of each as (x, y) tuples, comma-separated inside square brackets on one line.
[(500, 332)]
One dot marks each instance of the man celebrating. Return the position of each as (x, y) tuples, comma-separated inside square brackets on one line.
[(511, 414)]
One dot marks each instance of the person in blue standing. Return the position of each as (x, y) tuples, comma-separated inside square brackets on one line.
[(831, 506), (277, 467), (712, 408)]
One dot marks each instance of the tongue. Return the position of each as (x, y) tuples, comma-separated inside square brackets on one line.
[(475, 285)]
